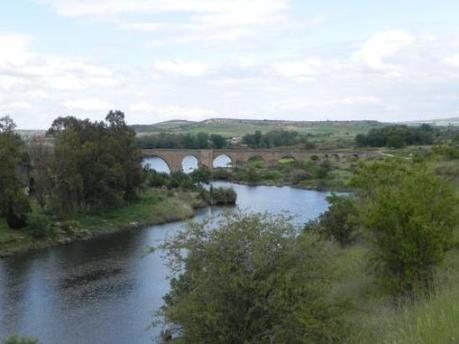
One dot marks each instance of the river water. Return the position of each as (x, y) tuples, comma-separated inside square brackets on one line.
[(105, 290)]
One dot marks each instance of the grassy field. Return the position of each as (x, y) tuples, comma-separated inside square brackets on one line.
[(153, 207), (377, 319)]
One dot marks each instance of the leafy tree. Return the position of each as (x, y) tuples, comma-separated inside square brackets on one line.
[(339, 222), (409, 214), (218, 141), (41, 178), (397, 136), (68, 187), (14, 204), (126, 153), (274, 138), (252, 280), (201, 175), (95, 165)]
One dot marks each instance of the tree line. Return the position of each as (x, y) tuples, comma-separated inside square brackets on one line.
[(397, 136), (275, 138), (88, 165), (181, 141)]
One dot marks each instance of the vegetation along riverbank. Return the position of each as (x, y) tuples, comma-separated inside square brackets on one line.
[(86, 179)]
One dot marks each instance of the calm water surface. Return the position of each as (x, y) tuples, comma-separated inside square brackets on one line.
[(105, 290)]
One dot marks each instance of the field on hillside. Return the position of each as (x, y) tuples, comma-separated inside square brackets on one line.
[(235, 127)]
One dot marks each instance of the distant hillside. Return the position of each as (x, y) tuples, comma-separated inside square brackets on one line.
[(239, 127), (438, 122)]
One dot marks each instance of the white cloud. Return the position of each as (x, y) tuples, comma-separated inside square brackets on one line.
[(201, 20), (453, 60), (378, 48), (361, 100), (181, 68), (88, 104), (298, 70)]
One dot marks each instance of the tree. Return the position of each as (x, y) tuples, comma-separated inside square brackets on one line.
[(218, 141), (14, 205), (127, 153), (41, 179), (409, 214), (339, 222), (95, 165), (251, 280)]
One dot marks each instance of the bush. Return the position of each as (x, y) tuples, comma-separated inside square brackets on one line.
[(157, 180), (180, 180), (221, 174), (252, 176), (297, 176), (409, 214), (39, 226), (223, 196), (339, 222), (251, 280), (319, 172), (201, 175)]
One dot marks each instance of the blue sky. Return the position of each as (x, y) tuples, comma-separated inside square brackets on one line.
[(194, 59)]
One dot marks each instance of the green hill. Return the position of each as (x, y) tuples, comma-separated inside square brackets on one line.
[(238, 127)]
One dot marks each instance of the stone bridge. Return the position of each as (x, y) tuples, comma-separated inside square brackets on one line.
[(206, 157)]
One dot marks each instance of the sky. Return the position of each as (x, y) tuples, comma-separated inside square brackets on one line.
[(160, 60)]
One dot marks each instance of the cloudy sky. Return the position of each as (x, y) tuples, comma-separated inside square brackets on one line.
[(194, 59)]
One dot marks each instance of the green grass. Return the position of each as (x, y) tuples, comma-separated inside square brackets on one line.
[(376, 318), (152, 207)]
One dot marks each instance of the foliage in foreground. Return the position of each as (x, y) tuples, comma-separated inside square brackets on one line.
[(14, 204), (251, 280), (17, 340), (339, 222), (409, 214)]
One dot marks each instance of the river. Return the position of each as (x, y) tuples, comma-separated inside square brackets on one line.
[(105, 290)]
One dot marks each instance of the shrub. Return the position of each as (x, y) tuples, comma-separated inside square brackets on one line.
[(223, 196), (297, 176), (201, 175), (251, 280), (409, 214), (339, 222), (180, 180), (39, 225), (157, 180), (221, 174)]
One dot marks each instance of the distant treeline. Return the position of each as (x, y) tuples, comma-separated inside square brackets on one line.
[(397, 136), (177, 141), (275, 138)]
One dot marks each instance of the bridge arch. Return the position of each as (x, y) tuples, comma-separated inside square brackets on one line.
[(257, 160), (190, 163), (287, 159), (222, 161), (157, 163)]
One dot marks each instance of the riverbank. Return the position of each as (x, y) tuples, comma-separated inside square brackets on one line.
[(153, 207), (316, 176)]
